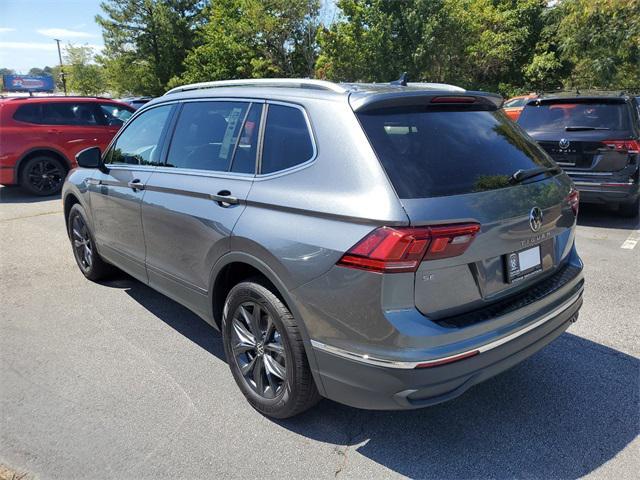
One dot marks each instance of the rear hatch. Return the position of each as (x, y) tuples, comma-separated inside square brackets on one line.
[(583, 135), (451, 164)]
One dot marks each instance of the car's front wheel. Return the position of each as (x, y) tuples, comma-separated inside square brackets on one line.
[(265, 351), (84, 246), (43, 175)]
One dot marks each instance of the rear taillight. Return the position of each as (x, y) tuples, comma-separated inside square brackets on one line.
[(401, 249), (631, 146), (574, 200), (453, 99)]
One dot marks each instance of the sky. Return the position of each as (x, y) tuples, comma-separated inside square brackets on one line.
[(28, 27)]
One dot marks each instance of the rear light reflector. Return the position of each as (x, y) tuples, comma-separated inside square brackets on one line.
[(631, 146), (452, 99), (401, 249), (574, 200), (444, 361)]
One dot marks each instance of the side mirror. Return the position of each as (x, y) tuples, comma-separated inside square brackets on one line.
[(89, 158)]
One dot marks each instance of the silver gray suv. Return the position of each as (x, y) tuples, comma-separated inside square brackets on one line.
[(384, 246)]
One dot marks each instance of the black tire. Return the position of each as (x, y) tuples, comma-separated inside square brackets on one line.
[(297, 391), (43, 175), (83, 246), (630, 210)]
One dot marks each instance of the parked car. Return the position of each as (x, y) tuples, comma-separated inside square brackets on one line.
[(40, 136), (513, 107), (387, 247), (595, 139), (136, 102)]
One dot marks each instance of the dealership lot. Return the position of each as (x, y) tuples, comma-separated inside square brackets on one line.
[(116, 381)]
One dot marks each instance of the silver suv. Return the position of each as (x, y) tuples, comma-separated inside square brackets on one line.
[(384, 246)]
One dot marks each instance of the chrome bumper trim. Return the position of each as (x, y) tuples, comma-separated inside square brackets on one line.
[(381, 362)]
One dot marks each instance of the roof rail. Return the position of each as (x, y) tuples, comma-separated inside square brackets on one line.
[(263, 82)]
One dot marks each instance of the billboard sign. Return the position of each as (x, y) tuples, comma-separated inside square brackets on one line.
[(28, 83)]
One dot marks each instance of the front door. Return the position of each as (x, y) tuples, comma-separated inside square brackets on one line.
[(192, 203), (117, 193)]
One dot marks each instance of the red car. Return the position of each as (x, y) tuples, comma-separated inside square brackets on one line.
[(40, 137)]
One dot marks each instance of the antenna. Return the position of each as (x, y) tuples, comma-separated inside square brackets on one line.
[(402, 81)]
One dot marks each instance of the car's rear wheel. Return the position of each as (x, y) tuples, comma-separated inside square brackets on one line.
[(43, 175), (84, 246), (630, 210), (265, 351)]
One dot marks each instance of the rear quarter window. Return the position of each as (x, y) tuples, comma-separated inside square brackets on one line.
[(430, 152), (28, 113), (287, 140)]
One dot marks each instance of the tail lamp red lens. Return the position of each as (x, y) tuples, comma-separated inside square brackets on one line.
[(630, 146), (452, 99), (574, 200), (401, 249)]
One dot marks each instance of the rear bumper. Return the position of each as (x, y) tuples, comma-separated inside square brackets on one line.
[(365, 382), (606, 191)]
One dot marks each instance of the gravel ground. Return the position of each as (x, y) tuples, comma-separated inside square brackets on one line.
[(116, 381)]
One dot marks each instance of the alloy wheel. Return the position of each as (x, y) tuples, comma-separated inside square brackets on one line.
[(45, 176), (82, 245), (258, 350)]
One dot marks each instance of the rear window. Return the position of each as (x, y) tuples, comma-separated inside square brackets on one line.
[(515, 102), (568, 115), (430, 153)]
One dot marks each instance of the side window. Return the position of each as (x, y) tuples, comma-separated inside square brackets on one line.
[(114, 115), (287, 141), (66, 113), (29, 113), (138, 143), (206, 136)]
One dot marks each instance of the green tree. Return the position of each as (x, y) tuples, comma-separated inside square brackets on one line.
[(83, 75), (473, 43), (146, 42), (255, 38), (600, 39)]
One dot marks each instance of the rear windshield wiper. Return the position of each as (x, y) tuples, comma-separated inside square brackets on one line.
[(579, 128), (522, 175)]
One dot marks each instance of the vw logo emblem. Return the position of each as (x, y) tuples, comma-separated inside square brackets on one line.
[(563, 143), (535, 219)]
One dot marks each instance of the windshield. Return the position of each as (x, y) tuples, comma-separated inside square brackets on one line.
[(115, 114), (567, 115), (437, 152)]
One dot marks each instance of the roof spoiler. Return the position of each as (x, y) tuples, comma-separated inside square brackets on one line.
[(489, 101)]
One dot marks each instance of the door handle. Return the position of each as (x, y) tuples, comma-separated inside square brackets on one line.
[(136, 184), (224, 198)]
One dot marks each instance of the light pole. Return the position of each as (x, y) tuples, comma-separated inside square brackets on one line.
[(62, 77)]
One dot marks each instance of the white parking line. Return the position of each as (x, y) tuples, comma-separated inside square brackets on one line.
[(632, 240)]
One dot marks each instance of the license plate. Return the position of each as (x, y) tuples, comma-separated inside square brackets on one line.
[(522, 264)]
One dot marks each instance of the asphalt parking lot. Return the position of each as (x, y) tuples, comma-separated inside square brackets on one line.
[(114, 380)]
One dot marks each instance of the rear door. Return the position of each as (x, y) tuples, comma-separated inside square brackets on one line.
[(585, 136), (73, 126), (194, 200), (452, 164), (116, 193)]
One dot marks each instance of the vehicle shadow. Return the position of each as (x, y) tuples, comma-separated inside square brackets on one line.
[(562, 413), (15, 194), (602, 216)]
